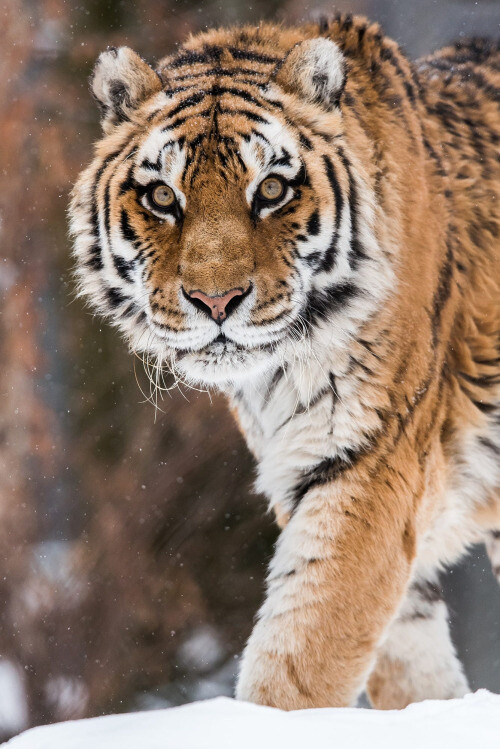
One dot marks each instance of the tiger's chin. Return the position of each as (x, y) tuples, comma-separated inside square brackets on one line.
[(223, 365)]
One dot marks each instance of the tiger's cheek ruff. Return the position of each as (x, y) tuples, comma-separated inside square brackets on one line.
[(115, 240), (107, 279), (112, 278)]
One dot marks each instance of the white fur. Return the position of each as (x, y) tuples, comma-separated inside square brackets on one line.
[(418, 643)]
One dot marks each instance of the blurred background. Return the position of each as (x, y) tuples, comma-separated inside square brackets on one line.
[(132, 550)]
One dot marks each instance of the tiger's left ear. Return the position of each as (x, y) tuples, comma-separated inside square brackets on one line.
[(316, 70), (121, 81)]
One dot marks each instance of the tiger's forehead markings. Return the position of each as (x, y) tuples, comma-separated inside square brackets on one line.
[(212, 72), (232, 142), (218, 58), (225, 100)]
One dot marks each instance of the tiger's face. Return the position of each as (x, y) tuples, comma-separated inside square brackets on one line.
[(223, 211), (216, 212)]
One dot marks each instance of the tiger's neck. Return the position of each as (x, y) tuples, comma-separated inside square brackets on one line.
[(324, 403)]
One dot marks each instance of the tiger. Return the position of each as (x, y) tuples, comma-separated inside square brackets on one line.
[(304, 220)]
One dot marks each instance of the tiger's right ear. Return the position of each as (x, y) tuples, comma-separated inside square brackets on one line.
[(121, 81), (315, 69)]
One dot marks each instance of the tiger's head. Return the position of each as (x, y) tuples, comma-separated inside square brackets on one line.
[(220, 218)]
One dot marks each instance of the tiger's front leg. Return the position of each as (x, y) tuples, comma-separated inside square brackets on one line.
[(341, 567)]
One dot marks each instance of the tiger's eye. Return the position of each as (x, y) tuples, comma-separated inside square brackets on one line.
[(163, 196), (271, 188)]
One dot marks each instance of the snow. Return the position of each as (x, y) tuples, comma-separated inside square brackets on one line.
[(223, 723), (202, 651), (13, 707)]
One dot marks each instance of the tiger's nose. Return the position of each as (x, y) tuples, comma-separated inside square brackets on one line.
[(219, 306)]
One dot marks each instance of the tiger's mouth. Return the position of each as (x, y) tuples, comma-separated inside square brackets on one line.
[(221, 338), (224, 361), (221, 342), (224, 344)]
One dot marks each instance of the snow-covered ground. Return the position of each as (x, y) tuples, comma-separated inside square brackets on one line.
[(223, 723)]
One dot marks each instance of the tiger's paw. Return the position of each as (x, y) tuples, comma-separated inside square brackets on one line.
[(281, 680)]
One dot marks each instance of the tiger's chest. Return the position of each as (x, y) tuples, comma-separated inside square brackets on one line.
[(293, 420)]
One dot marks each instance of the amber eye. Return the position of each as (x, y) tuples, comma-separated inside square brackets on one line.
[(162, 196), (271, 189)]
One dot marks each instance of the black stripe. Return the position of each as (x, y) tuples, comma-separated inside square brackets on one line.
[(240, 161), (191, 101), (256, 133), (238, 92), (386, 53), (115, 297), (337, 192), (152, 165), (131, 310), (356, 252), (284, 160), (442, 293), (327, 137), (192, 57), (485, 408), (168, 93), (448, 116), (329, 256), (325, 471), (468, 75), (95, 262), (313, 224), (181, 120), (207, 113), (245, 54), (128, 183), (107, 206), (107, 197), (216, 71), (333, 388), (246, 113), (322, 302), (422, 607), (301, 179), (477, 49), (127, 231), (482, 380), (123, 267), (194, 144), (313, 259), (305, 142), (95, 257), (276, 379)]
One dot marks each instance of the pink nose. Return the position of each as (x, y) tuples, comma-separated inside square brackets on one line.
[(218, 306)]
